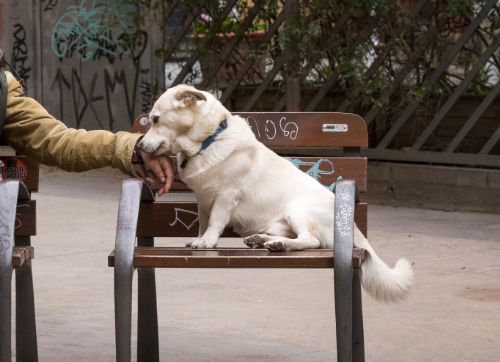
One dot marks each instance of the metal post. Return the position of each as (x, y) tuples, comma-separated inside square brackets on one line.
[(128, 214), (9, 190), (147, 320), (26, 341), (358, 339), (345, 196)]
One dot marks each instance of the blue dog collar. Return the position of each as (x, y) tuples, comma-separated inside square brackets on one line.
[(208, 141)]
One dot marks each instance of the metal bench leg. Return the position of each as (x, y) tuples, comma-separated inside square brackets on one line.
[(147, 324), (128, 213), (8, 203), (345, 196), (358, 340), (26, 343)]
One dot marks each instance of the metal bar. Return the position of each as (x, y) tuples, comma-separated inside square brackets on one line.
[(26, 341), (173, 43), (433, 157), (345, 195), (263, 86), (448, 58), (380, 59), (128, 213), (195, 56), (226, 52), (372, 113), (337, 71), (147, 319), (251, 60), (491, 143), (473, 118), (456, 95), (358, 339), (9, 190)]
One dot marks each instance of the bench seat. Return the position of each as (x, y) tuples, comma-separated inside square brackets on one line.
[(169, 257)]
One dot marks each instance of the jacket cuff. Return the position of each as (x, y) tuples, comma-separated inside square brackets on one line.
[(124, 150)]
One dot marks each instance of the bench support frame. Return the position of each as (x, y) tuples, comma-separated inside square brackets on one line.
[(348, 303), (26, 341)]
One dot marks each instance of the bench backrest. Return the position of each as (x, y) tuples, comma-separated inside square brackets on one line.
[(26, 170), (314, 134)]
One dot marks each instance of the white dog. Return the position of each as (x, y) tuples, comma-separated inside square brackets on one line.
[(241, 183)]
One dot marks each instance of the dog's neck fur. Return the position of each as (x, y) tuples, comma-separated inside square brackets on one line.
[(235, 137)]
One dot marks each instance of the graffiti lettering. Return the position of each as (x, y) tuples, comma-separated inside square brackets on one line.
[(149, 93), (2, 32), (51, 4), (177, 219), (20, 52)]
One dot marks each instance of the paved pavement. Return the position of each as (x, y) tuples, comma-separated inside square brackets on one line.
[(452, 314)]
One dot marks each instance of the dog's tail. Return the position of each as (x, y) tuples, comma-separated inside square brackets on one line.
[(383, 283)]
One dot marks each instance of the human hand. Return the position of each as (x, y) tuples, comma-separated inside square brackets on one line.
[(162, 166)]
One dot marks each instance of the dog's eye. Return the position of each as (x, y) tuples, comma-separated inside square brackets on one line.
[(155, 119)]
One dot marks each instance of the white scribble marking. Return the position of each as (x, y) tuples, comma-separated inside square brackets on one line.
[(343, 218), (18, 221), (290, 129), (343, 193), (177, 211), (293, 133), (267, 129), (251, 118)]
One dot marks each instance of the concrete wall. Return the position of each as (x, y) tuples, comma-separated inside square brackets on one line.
[(435, 187), (72, 61)]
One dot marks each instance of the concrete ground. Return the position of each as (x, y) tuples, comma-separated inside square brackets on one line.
[(453, 313)]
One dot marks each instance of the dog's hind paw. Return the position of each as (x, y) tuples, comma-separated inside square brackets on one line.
[(254, 242), (275, 245)]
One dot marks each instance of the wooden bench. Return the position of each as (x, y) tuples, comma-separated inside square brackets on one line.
[(141, 218), (17, 225)]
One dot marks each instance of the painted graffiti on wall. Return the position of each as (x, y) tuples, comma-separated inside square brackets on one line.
[(20, 52), (95, 78), (88, 31), (73, 56), (2, 31)]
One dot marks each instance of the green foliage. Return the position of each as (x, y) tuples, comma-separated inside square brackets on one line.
[(339, 39)]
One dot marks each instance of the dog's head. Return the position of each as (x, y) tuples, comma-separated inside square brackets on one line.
[(173, 119)]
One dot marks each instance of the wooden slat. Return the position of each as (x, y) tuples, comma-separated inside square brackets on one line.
[(25, 218), (329, 171), (283, 129), (157, 257), (20, 254), (180, 219), (21, 167)]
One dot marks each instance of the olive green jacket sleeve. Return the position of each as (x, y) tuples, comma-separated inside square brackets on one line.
[(33, 132)]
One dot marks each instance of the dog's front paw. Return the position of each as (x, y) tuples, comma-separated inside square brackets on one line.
[(254, 242), (190, 242), (275, 245), (203, 244)]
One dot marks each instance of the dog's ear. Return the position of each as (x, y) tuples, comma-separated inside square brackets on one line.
[(188, 97)]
